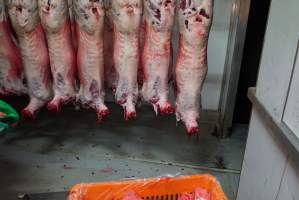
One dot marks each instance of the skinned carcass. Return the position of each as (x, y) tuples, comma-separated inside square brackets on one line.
[(11, 65), (26, 23), (195, 18), (126, 17), (55, 20), (89, 20), (157, 53)]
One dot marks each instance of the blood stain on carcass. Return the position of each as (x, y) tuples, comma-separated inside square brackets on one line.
[(186, 24), (155, 10), (204, 13), (94, 89), (60, 80), (158, 14), (183, 4)]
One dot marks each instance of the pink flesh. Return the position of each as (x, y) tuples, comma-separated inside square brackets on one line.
[(28, 114), (189, 80), (127, 88), (63, 66), (156, 61), (102, 114), (191, 67), (198, 194), (12, 83), (131, 196), (90, 63), (55, 106), (37, 70)]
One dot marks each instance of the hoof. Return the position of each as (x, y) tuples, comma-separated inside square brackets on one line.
[(54, 107), (130, 116), (193, 131), (167, 110), (28, 114), (102, 115)]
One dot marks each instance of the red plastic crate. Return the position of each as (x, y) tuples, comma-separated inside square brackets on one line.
[(149, 189)]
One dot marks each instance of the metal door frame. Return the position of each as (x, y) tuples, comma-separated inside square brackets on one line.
[(233, 61)]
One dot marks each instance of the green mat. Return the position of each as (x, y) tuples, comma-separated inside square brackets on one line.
[(8, 116)]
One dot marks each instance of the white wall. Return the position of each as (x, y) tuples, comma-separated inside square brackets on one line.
[(270, 168), (264, 162), (278, 55), (291, 114), (290, 181)]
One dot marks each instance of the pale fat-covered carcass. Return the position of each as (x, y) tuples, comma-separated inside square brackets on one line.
[(126, 17), (157, 53), (89, 20), (195, 18), (26, 23), (11, 65), (56, 23)]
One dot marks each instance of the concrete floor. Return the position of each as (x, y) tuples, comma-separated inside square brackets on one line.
[(57, 151)]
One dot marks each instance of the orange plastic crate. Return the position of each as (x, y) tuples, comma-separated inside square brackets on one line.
[(149, 189)]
